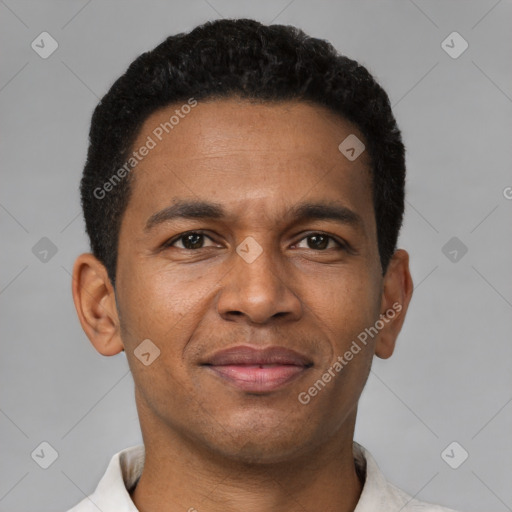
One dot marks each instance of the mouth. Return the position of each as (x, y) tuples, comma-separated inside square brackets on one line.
[(258, 370)]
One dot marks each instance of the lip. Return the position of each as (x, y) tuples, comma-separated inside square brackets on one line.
[(258, 370)]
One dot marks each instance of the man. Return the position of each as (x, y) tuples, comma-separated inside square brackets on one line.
[(243, 194)]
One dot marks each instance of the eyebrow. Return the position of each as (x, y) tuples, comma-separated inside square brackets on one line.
[(300, 212)]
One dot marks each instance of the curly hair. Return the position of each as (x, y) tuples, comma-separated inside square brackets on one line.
[(246, 59)]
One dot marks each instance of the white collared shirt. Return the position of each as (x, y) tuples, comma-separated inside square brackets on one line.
[(125, 468)]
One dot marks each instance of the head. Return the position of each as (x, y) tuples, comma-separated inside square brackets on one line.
[(222, 210)]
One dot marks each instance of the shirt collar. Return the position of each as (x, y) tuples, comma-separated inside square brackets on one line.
[(113, 492)]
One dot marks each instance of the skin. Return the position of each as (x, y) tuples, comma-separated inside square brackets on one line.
[(209, 445)]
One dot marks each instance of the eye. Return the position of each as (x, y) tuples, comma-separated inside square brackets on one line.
[(194, 240), (320, 242), (190, 241)]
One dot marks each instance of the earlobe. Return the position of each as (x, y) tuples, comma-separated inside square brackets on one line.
[(95, 304), (396, 295)]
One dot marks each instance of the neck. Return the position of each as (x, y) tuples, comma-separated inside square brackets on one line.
[(179, 475)]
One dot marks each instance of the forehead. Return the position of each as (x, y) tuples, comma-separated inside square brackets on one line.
[(302, 127), (236, 151)]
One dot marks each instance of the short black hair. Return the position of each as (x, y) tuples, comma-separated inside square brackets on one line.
[(246, 59)]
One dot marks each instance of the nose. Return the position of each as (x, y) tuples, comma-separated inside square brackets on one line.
[(258, 292)]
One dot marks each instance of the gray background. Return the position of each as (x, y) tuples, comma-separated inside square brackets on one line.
[(450, 377)]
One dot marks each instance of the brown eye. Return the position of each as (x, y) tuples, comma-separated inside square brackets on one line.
[(320, 241), (190, 241)]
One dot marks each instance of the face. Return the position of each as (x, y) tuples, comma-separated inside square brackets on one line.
[(248, 256)]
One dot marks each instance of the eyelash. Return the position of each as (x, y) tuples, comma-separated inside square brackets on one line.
[(171, 242)]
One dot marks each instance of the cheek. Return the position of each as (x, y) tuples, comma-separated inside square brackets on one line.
[(347, 303), (345, 310), (344, 313), (161, 303), (164, 309)]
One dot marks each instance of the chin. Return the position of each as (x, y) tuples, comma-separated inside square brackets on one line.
[(259, 444)]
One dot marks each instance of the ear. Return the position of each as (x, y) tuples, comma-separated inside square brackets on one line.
[(95, 303), (396, 294)]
